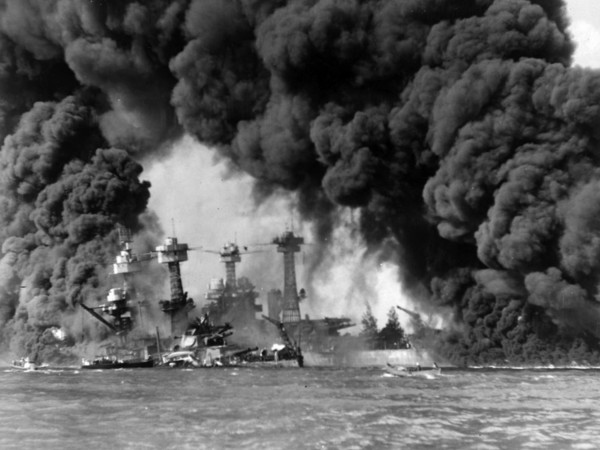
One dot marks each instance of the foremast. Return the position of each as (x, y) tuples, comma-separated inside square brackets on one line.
[(171, 254), (289, 244)]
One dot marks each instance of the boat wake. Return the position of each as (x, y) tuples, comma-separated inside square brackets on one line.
[(416, 371)]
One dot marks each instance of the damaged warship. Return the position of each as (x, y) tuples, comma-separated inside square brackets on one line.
[(231, 304), (322, 343), (313, 342), (198, 342)]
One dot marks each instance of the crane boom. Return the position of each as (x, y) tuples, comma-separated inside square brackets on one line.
[(412, 314), (282, 332), (99, 317)]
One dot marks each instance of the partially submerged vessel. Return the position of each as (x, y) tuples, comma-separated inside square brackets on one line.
[(106, 363), (322, 343), (202, 345), (116, 357), (279, 338), (196, 342), (118, 311), (113, 363)]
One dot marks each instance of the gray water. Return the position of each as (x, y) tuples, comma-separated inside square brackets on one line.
[(297, 409)]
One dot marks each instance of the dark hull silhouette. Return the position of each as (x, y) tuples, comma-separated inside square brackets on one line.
[(107, 364)]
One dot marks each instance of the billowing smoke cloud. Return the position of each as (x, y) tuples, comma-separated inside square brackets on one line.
[(62, 194), (458, 128)]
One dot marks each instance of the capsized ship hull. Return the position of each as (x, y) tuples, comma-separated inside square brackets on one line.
[(367, 358)]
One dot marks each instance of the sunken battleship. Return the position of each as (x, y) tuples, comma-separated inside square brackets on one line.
[(231, 326), (180, 340)]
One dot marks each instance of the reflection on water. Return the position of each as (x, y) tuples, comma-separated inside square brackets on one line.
[(298, 408)]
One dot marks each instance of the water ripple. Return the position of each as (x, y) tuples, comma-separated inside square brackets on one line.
[(315, 409)]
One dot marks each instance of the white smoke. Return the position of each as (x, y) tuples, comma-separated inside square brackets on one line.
[(197, 199), (348, 277), (585, 28)]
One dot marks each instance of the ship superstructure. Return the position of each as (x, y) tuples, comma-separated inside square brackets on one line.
[(319, 340), (289, 244), (119, 300), (171, 254), (230, 256), (198, 342), (231, 299), (318, 334)]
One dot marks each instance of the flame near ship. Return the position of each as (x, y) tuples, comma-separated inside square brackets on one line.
[(457, 131)]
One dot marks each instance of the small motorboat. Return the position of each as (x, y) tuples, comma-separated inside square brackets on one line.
[(24, 364), (413, 371)]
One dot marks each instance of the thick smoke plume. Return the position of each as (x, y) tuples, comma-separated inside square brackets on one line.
[(458, 129)]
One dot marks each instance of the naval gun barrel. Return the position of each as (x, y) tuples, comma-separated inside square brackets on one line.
[(244, 352), (338, 323)]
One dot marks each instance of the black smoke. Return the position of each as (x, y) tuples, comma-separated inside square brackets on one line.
[(458, 129)]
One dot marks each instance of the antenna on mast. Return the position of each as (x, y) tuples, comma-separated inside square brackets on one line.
[(173, 226)]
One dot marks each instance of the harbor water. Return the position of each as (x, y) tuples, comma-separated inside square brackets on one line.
[(250, 408)]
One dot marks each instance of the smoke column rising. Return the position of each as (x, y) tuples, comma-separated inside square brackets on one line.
[(212, 207), (458, 129)]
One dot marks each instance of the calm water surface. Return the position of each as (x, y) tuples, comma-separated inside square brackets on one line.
[(298, 408)]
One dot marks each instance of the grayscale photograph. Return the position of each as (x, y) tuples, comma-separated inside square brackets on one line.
[(299, 224)]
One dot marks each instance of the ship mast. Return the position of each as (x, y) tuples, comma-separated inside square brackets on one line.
[(230, 256), (289, 244), (232, 299), (118, 299), (172, 254)]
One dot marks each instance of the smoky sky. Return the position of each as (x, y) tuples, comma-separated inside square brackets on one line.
[(459, 130)]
